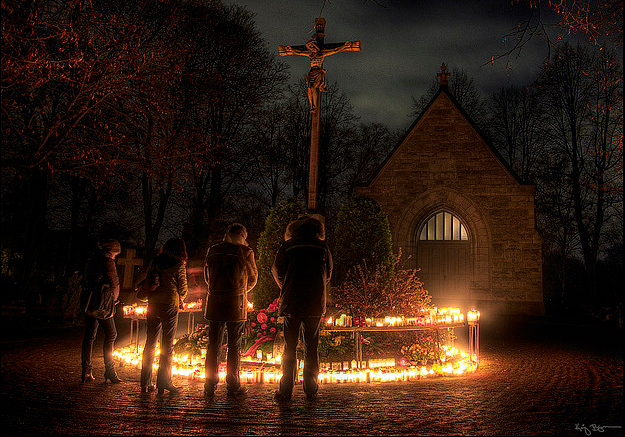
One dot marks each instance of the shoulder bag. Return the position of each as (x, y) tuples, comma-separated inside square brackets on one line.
[(100, 303)]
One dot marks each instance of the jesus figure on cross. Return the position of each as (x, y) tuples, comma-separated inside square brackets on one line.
[(316, 50), (316, 77)]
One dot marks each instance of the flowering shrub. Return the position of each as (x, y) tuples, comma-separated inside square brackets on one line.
[(382, 291)]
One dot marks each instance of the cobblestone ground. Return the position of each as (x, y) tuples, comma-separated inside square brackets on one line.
[(537, 376)]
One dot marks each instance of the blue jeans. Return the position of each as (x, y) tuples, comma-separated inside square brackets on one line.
[(160, 317), (310, 330), (215, 340), (91, 330)]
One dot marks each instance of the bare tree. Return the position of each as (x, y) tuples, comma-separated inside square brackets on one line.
[(298, 131), (226, 45), (516, 130), (600, 21), (337, 126), (268, 176), (64, 65), (582, 95), (370, 145)]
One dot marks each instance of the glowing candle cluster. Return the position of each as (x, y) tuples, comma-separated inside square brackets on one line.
[(266, 367), (447, 316), (473, 316), (432, 317), (136, 311), (140, 311), (452, 363), (197, 305)]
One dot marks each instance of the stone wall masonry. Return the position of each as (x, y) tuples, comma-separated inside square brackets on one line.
[(444, 155)]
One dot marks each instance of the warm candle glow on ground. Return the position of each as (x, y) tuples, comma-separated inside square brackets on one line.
[(257, 367), (453, 363)]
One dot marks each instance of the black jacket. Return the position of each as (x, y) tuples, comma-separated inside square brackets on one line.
[(302, 269), (172, 277), (101, 269), (230, 272)]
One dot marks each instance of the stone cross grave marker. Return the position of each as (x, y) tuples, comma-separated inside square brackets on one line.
[(129, 262)]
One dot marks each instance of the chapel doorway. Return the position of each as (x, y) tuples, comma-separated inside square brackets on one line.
[(444, 257)]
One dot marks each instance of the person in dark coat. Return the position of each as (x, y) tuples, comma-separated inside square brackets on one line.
[(101, 270), (302, 269), (230, 273), (162, 315)]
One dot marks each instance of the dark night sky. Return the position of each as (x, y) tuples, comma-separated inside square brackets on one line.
[(403, 45)]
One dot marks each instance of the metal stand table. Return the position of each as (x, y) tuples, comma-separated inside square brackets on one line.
[(136, 319), (474, 335)]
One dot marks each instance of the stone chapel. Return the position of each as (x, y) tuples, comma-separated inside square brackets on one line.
[(459, 214)]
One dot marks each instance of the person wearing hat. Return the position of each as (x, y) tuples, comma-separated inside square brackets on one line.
[(101, 270), (230, 273)]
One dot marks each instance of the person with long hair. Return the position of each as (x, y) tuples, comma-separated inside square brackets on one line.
[(162, 316)]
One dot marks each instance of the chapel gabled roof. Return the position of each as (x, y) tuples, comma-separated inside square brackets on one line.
[(444, 89)]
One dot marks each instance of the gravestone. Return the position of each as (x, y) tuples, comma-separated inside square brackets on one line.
[(130, 263)]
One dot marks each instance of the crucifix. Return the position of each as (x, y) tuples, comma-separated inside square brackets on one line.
[(316, 50)]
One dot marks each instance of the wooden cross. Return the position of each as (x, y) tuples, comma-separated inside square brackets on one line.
[(316, 83), (129, 263), (443, 75)]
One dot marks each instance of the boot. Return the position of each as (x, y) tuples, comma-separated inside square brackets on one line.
[(87, 376), (147, 388), (111, 375), (209, 389), (171, 389)]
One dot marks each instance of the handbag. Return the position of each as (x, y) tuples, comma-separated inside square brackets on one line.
[(146, 286), (100, 303)]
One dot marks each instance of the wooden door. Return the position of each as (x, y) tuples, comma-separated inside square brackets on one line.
[(445, 268)]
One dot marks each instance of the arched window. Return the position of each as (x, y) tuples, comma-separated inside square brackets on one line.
[(442, 226)]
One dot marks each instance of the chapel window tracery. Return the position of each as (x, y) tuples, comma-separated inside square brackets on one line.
[(443, 226)]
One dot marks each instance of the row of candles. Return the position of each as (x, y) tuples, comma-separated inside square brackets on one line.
[(384, 370), (432, 317), (136, 310), (141, 310)]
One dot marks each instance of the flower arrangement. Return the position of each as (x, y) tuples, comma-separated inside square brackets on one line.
[(417, 353), (263, 328), (426, 347), (193, 343)]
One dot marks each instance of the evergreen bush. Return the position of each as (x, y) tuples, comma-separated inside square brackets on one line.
[(362, 237), (266, 290)]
